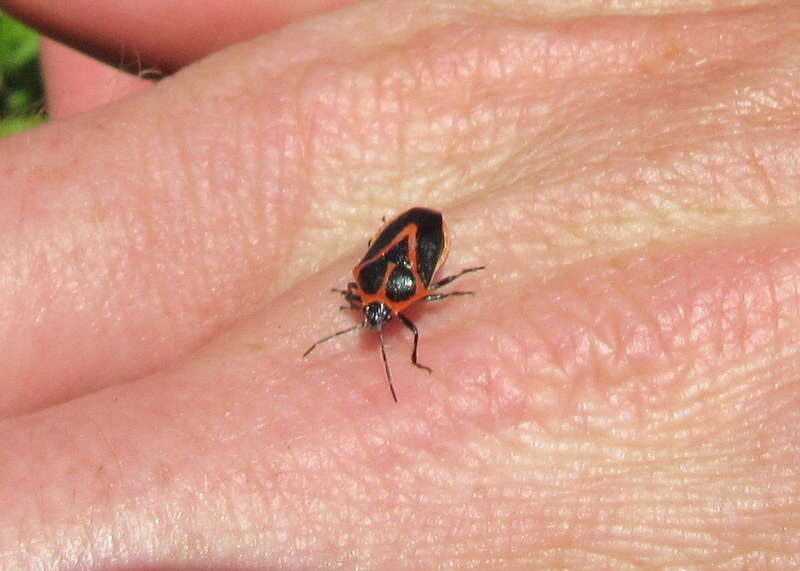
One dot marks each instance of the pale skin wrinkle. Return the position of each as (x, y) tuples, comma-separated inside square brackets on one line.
[(620, 393)]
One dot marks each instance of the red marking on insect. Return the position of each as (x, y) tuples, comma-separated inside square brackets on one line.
[(396, 272)]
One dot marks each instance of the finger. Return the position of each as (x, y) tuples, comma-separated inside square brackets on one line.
[(164, 35), (135, 234), (664, 373), (75, 83)]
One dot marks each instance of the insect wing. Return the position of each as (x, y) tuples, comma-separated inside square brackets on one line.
[(416, 239), (432, 246)]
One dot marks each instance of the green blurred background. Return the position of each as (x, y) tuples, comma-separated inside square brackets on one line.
[(21, 96)]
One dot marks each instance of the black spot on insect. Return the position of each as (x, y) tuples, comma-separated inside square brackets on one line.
[(401, 284)]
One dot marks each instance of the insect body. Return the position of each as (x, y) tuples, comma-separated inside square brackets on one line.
[(397, 271)]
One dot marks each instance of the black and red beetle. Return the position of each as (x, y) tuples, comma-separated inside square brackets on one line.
[(396, 272)]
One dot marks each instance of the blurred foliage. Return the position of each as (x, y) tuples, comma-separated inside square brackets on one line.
[(21, 96)]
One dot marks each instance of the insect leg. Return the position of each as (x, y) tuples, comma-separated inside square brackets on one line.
[(354, 304), (329, 337), (386, 365), (408, 323), (352, 299), (350, 291), (438, 296), (350, 296), (448, 279)]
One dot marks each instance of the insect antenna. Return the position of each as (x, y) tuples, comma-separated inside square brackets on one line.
[(386, 365), (329, 337)]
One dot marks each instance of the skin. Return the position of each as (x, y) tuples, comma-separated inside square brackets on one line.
[(621, 393), (76, 83)]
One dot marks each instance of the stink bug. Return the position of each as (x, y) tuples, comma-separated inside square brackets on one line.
[(396, 272)]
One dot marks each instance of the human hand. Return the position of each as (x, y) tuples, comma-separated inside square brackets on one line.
[(620, 393)]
